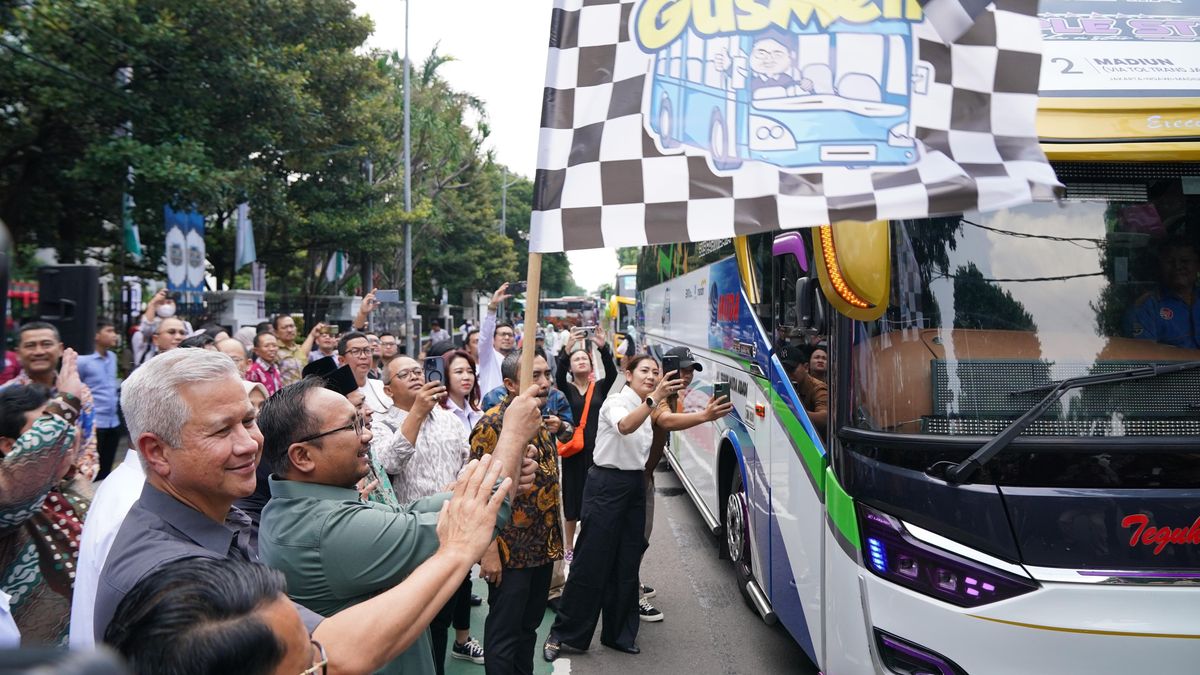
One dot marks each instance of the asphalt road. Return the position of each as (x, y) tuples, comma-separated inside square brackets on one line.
[(707, 626)]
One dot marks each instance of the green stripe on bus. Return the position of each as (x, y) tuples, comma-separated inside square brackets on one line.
[(814, 461), (841, 509)]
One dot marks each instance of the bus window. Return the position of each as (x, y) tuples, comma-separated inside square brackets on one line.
[(987, 308)]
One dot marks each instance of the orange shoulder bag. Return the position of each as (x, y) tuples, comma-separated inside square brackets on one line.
[(573, 446)]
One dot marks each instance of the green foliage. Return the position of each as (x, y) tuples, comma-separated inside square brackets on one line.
[(274, 102), (981, 304), (628, 255)]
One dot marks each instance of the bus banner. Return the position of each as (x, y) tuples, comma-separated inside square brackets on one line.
[(688, 120)]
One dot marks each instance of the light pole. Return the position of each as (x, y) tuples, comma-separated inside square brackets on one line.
[(408, 300), (504, 185)]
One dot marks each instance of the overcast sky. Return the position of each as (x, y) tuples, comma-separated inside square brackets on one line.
[(500, 48)]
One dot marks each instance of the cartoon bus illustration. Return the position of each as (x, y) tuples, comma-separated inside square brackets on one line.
[(803, 97)]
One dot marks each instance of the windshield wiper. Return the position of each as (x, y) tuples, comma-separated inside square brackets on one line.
[(963, 471)]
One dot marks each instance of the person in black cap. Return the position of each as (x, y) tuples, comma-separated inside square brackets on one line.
[(669, 416)]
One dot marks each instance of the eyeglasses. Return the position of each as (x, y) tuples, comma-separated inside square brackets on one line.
[(320, 660), (359, 351), (406, 373), (356, 424)]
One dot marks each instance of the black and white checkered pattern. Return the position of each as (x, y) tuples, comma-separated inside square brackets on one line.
[(603, 181)]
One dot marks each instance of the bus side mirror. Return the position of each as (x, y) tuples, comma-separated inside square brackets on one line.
[(810, 309)]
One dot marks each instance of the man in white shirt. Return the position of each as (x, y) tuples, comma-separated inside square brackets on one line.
[(357, 353), (115, 496), (495, 342)]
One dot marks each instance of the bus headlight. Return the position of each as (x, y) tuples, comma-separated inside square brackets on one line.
[(769, 134), (898, 136), (894, 554)]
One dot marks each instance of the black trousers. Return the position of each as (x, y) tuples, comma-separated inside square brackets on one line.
[(106, 447), (516, 609), (604, 575), (456, 612)]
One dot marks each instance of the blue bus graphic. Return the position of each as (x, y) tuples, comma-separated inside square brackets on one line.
[(808, 97)]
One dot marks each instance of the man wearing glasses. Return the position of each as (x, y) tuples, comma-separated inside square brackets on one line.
[(196, 434), (356, 351), (335, 550)]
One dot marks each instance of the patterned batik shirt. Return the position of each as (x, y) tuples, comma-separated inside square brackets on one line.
[(291, 362), (534, 537), (265, 374), (87, 462)]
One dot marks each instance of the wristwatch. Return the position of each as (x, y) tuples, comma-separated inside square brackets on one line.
[(650, 402)]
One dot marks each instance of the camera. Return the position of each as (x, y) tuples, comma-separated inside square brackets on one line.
[(435, 369), (391, 297)]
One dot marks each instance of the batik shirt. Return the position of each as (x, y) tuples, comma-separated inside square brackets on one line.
[(86, 462), (534, 537), (291, 362), (431, 464), (266, 375), (40, 521)]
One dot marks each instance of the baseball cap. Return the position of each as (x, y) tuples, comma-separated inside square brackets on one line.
[(686, 360)]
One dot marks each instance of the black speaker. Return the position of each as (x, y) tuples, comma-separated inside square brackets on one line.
[(69, 297)]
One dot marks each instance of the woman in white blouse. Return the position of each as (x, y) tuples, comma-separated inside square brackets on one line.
[(604, 575), (462, 388)]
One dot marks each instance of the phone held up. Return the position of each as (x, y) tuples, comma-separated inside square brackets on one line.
[(670, 364), (331, 330), (391, 297), (435, 370), (721, 389), (517, 287)]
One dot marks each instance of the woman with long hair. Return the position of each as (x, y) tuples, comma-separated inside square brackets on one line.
[(462, 388), (575, 379), (613, 535)]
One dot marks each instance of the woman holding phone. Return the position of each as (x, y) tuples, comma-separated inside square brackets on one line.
[(462, 388), (604, 577), (575, 379)]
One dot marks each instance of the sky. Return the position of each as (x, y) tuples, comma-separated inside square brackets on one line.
[(500, 52)]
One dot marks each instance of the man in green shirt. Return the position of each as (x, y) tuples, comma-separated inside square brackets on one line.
[(334, 549)]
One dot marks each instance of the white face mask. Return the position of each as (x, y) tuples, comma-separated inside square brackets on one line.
[(166, 311)]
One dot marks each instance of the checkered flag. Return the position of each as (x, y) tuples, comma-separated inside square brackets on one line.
[(618, 166)]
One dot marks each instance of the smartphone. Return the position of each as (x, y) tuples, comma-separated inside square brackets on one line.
[(589, 331), (517, 287), (331, 330), (173, 295), (669, 364), (721, 389), (388, 296), (435, 369)]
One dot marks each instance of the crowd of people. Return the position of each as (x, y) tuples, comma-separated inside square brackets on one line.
[(319, 504)]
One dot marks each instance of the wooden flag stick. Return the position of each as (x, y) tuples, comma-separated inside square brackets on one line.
[(533, 280)]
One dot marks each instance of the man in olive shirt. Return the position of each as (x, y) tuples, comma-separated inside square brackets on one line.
[(335, 550)]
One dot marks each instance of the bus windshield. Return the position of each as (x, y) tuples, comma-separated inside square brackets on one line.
[(984, 306)]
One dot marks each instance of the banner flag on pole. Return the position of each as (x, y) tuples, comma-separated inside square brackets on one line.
[(245, 252), (133, 238), (185, 252), (673, 120)]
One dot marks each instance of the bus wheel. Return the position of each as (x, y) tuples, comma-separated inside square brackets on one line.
[(665, 132), (737, 530), (718, 144)]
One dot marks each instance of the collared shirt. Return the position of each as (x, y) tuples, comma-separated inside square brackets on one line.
[(614, 450), (317, 355), (115, 496), (266, 374), (489, 358), (429, 466), (86, 462), (1166, 318), (439, 335), (291, 362), (468, 416), (159, 529), (376, 399), (99, 373), (10, 635), (336, 551), (534, 537)]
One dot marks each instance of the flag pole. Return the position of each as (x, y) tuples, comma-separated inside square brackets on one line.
[(529, 338)]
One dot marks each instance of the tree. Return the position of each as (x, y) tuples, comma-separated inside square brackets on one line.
[(627, 255), (557, 279), (982, 304)]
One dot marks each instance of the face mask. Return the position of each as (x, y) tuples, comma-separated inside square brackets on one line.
[(166, 311)]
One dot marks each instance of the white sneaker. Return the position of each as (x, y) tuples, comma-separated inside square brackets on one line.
[(648, 612), (470, 650)]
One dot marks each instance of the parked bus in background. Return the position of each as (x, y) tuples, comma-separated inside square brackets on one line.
[(568, 312), (1011, 482), (621, 305)]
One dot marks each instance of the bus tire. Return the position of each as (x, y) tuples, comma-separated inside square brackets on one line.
[(737, 531), (718, 144), (665, 125)]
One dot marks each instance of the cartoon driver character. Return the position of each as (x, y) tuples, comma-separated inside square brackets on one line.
[(771, 63)]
